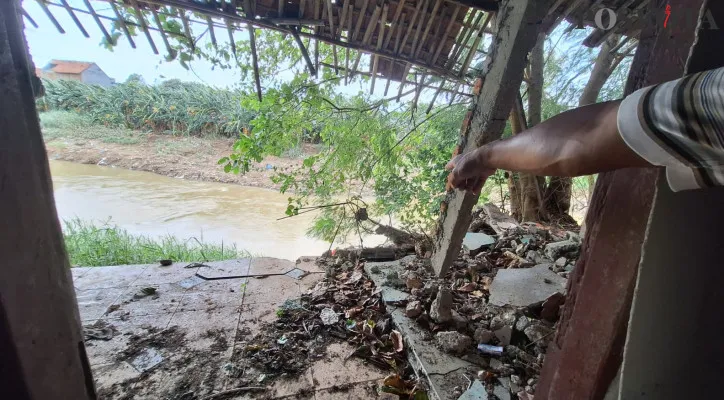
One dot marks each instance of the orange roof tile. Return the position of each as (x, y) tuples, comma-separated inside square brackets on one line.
[(69, 67)]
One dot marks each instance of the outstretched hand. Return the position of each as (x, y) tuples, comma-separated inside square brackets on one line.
[(467, 172)]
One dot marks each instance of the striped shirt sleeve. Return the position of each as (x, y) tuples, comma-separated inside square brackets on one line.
[(679, 125)]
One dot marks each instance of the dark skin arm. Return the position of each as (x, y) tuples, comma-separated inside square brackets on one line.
[(577, 142)]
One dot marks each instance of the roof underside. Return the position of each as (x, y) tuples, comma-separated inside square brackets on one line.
[(406, 41)]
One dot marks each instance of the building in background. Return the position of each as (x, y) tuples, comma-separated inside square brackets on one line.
[(84, 71)]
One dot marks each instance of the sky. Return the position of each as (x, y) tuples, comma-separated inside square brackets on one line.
[(46, 43)]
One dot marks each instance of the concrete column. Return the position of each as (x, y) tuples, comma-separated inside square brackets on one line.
[(517, 25)]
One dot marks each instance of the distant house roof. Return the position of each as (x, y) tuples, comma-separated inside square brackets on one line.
[(67, 67)]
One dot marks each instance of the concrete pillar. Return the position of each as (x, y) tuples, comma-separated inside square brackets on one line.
[(517, 25)]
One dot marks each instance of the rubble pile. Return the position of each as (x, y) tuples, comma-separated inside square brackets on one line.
[(344, 306), (498, 304)]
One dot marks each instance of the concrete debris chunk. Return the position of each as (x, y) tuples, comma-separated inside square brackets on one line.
[(413, 309), (504, 335), (440, 309), (525, 286), (501, 393), (454, 342), (475, 241), (538, 333), (475, 392), (459, 321), (522, 323), (483, 336), (328, 316), (557, 249)]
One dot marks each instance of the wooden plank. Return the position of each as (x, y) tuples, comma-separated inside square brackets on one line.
[(434, 97), (394, 22), (43, 353), (144, 26), (395, 49), (254, 60), (230, 32), (98, 21), (596, 316), (515, 37), (74, 18), (346, 55), (122, 23), (330, 15), (50, 15)]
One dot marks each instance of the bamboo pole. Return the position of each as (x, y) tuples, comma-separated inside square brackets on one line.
[(98, 21), (380, 40), (50, 15), (74, 18), (144, 26)]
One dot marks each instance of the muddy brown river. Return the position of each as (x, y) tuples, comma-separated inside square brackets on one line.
[(155, 205)]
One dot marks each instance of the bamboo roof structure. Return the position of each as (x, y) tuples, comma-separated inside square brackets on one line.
[(407, 41)]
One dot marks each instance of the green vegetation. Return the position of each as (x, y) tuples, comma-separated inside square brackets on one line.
[(71, 125), (172, 106), (91, 245)]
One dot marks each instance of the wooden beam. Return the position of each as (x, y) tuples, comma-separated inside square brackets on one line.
[(43, 353), (29, 18), (144, 26), (232, 41), (368, 34), (122, 23), (187, 28), (74, 18), (211, 32), (430, 22), (395, 49), (108, 37), (461, 45), (50, 15), (171, 52), (443, 40), (249, 11), (380, 40), (474, 48), (484, 123), (305, 53)]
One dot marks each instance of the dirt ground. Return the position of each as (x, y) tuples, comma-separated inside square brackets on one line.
[(174, 156)]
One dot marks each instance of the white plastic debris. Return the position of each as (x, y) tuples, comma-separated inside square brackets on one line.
[(328, 316)]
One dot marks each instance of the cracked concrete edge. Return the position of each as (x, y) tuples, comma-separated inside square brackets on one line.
[(440, 370)]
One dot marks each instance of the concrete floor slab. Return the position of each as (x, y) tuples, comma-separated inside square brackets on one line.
[(213, 316), (99, 277), (524, 286), (334, 371), (225, 269), (268, 265)]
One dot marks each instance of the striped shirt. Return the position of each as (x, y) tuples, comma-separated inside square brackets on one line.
[(679, 125)]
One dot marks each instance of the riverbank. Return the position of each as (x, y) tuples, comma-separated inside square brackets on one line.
[(69, 137)]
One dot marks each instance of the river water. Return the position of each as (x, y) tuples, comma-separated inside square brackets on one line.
[(155, 205)]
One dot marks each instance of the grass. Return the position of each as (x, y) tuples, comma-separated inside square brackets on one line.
[(91, 245), (66, 125)]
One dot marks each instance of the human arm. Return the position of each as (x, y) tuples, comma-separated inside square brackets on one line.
[(677, 124)]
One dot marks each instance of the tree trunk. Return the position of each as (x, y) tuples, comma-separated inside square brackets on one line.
[(558, 193), (528, 189)]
